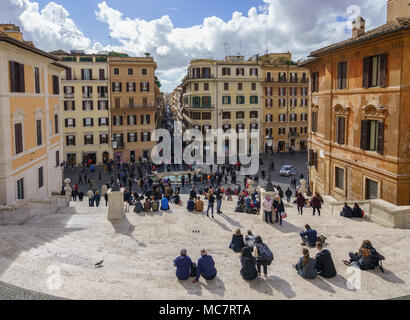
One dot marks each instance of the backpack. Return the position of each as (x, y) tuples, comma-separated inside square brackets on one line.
[(264, 253), (321, 238), (155, 206), (376, 259)]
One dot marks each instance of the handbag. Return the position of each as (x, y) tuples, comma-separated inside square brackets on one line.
[(284, 215)]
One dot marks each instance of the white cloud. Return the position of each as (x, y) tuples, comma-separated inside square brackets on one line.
[(298, 26)]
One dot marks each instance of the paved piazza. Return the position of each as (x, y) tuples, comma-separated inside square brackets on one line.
[(55, 255)]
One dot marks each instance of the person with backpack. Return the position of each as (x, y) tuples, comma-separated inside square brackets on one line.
[(147, 205), (211, 202), (184, 265), (264, 256), (248, 262), (306, 266), (309, 237), (237, 242), (138, 205), (279, 208), (205, 267), (367, 258), (324, 265), (250, 240), (347, 211), (316, 203)]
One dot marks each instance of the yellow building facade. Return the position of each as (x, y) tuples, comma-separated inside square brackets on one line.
[(30, 118), (85, 108)]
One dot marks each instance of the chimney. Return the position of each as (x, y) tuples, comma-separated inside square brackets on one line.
[(397, 8), (12, 31), (358, 27)]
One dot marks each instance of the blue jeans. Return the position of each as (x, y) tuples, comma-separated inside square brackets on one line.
[(268, 216), (278, 216), (210, 206), (218, 205)]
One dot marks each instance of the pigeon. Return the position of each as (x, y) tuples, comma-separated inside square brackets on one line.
[(99, 264)]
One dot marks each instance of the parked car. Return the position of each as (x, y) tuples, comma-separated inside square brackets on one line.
[(287, 170)]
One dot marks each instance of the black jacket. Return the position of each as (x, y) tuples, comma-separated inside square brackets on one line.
[(248, 270), (279, 206), (347, 212), (193, 194), (357, 212), (324, 264), (237, 243)]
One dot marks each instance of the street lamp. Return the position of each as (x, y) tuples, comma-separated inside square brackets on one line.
[(115, 185)]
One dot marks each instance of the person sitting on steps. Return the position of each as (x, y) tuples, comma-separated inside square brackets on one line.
[(248, 262), (309, 236), (306, 266), (237, 242)]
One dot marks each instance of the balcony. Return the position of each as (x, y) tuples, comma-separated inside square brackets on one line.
[(272, 80), (134, 106)]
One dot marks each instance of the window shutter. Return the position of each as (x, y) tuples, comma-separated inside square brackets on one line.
[(82, 74), (102, 74), (84, 122), (229, 100), (83, 102), (99, 122), (141, 86), (92, 122), (66, 123), (383, 70), (380, 137), (366, 66), (73, 105), (66, 141), (74, 123), (113, 86), (364, 136), (310, 157), (22, 82), (12, 77), (341, 130), (339, 75), (85, 139), (68, 74), (344, 75), (65, 105)]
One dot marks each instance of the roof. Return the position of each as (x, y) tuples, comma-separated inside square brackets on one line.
[(4, 37), (59, 53), (390, 27)]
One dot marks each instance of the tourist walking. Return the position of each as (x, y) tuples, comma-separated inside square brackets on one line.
[(301, 202), (90, 195), (316, 203), (219, 194), (97, 198), (106, 199), (211, 202), (288, 194), (264, 256), (267, 206)]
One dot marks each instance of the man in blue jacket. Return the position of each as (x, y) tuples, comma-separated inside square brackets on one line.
[(183, 264), (206, 267), (309, 237)]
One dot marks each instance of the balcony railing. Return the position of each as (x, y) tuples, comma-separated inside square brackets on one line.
[(293, 134), (134, 106), (69, 96)]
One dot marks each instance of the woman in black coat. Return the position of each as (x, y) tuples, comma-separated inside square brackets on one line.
[(248, 262), (237, 242), (279, 208)]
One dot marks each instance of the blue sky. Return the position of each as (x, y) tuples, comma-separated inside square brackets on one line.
[(183, 13)]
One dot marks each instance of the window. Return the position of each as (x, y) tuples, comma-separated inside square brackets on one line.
[(196, 102), (131, 102), (132, 137), (196, 86), (70, 140), (37, 80), (304, 77), (145, 136), (372, 189), (102, 105), (339, 178), (240, 115), (70, 123), (293, 77), (240, 127), (342, 75), (88, 139), (102, 91), (374, 71), (269, 77), (196, 115), (314, 121), (103, 138), (315, 82), (130, 86), (340, 130), (226, 71), (282, 77), (240, 86), (87, 92), (57, 158), (68, 92), (268, 103), (304, 102), (304, 91), (254, 126), (56, 123), (253, 99), (303, 117), (117, 86), (372, 136), (144, 86), (69, 105), (56, 85), (196, 73), (293, 102), (144, 102), (282, 131), (293, 117), (282, 117), (253, 86), (39, 135), (145, 119), (312, 158), (68, 73), (226, 100), (86, 74), (103, 121), (116, 71), (144, 72), (117, 120), (226, 115), (240, 100), (18, 137), (130, 71), (253, 114), (131, 120), (293, 91), (20, 189), (101, 74), (206, 116), (226, 127), (268, 118), (282, 102), (206, 73), (17, 83), (282, 91), (206, 86), (40, 177), (240, 71), (206, 102), (226, 86), (253, 71), (117, 102), (88, 105), (88, 122)]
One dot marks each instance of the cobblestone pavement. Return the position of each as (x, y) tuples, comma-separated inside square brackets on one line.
[(10, 292)]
